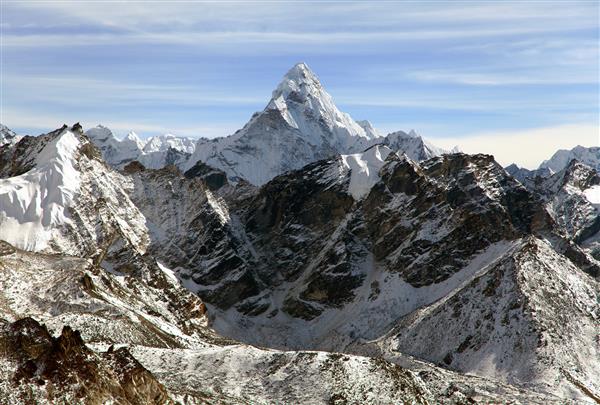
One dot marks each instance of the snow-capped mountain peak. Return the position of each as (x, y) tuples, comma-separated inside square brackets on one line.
[(305, 105), (164, 142), (36, 202), (300, 125), (133, 137), (369, 128), (7, 136), (299, 79), (413, 145), (589, 156)]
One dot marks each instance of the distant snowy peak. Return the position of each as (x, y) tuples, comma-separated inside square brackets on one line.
[(586, 155), (525, 176), (156, 152), (161, 143), (7, 136), (369, 129), (561, 160), (114, 151), (413, 145)]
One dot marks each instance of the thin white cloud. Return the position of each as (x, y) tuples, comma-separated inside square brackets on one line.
[(527, 148), (98, 91), (215, 39), (138, 15), (502, 79)]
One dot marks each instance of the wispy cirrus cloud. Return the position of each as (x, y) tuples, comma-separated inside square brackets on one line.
[(203, 67), (504, 78)]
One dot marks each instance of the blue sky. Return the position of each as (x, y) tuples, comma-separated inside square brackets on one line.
[(484, 75)]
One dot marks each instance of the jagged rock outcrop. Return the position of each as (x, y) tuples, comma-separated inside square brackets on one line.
[(38, 367)]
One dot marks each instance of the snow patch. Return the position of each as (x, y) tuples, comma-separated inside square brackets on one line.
[(593, 195), (364, 169)]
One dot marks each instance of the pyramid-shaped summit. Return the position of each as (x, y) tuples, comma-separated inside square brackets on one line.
[(306, 106), (299, 79), (300, 124)]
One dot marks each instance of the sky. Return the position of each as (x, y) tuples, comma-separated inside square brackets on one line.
[(518, 79)]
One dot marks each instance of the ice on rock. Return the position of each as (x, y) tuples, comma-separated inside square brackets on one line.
[(364, 169)]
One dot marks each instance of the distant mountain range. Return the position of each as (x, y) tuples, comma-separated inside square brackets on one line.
[(303, 259), (299, 125)]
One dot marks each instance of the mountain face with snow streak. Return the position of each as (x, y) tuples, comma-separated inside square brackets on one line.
[(310, 260)]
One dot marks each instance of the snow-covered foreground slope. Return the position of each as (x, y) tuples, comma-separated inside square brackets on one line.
[(164, 328), (529, 317), (33, 205)]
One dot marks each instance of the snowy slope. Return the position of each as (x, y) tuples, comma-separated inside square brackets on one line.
[(34, 204), (67, 200), (165, 328), (527, 318)]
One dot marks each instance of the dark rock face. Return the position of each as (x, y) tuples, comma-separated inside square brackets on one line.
[(304, 233), (133, 167), (65, 367), (427, 220), (562, 193), (214, 178)]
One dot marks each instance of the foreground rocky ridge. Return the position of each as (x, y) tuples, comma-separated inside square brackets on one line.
[(164, 328)]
